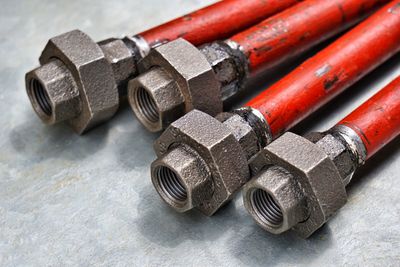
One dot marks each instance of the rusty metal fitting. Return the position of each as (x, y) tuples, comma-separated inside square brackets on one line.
[(81, 81), (177, 77), (219, 151), (300, 182)]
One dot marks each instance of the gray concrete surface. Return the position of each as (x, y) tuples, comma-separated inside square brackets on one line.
[(67, 200)]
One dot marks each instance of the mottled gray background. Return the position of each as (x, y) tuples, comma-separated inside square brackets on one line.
[(70, 200)]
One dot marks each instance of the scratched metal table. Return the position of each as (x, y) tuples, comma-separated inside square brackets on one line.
[(71, 200)]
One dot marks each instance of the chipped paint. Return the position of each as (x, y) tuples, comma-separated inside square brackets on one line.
[(329, 83), (323, 70), (298, 28)]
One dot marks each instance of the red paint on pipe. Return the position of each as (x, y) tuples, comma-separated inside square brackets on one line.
[(217, 21), (331, 71), (377, 121), (299, 28)]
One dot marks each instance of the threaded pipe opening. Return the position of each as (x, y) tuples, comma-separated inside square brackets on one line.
[(266, 208), (146, 105), (41, 97), (170, 184)]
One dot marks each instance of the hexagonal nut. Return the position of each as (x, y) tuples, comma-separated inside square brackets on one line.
[(217, 147), (315, 172), (122, 62), (192, 72), (53, 92), (339, 154), (91, 72), (222, 61), (155, 99), (182, 178), (275, 200), (242, 131)]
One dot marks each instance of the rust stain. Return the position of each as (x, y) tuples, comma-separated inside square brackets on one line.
[(283, 40), (262, 49), (329, 83), (183, 34), (187, 17), (304, 36)]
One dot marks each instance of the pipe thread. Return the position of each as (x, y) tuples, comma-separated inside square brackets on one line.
[(146, 105), (266, 208), (41, 97), (171, 184)]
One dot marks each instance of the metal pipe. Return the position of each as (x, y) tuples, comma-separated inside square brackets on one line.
[(316, 169), (207, 76), (377, 121), (331, 71), (228, 144), (92, 77), (215, 22), (296, 29)]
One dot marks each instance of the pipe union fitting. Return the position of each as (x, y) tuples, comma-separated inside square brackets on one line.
[(79, 57), (312, 169), (195, 79), (216, 146)]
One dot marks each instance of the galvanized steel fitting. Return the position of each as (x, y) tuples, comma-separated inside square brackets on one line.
[(299, 183), (203, 161), (81, 81), (177, 77)]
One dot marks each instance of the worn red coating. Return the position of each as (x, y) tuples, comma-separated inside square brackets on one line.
[(217, 21), (331, 71), (300, 27), (377, 121)]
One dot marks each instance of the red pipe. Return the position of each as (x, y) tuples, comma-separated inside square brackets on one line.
[(331, 71), (299, 28), (377, 121), (217, 21)]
